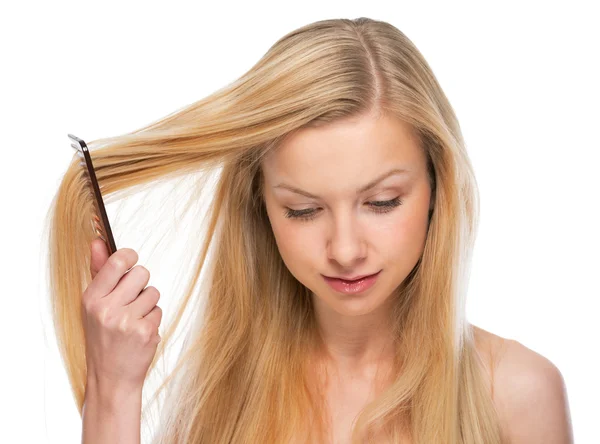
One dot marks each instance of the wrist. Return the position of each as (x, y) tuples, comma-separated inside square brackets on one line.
[(111, 396)]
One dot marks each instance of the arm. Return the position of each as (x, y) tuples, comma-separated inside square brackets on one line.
[(111, 417)]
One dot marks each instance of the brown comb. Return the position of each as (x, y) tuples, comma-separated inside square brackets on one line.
[(100, 224)]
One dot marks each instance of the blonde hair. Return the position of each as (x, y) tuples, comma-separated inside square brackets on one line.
[(242, 375)]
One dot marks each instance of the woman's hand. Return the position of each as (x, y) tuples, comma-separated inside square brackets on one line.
[(121, 320)]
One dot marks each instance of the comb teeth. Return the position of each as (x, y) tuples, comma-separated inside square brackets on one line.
[(98, 228)]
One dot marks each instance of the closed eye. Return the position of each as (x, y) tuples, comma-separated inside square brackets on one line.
[(378, 206)]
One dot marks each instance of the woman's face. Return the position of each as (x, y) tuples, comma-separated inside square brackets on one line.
[(330, 226)]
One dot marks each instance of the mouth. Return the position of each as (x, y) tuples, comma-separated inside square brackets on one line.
[(351, 279), (352, 286)]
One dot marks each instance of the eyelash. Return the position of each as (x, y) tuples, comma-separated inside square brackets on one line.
[(382, 206)]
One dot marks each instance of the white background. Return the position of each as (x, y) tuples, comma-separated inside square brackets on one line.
[(521, 76)]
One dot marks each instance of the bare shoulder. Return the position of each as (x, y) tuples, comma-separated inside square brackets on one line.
[(529, 393)]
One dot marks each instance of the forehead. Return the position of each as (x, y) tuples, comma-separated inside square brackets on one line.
[(361, 146)]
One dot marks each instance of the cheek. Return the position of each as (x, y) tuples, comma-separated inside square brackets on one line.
[(295, 247), (404, 237), (294, 244)]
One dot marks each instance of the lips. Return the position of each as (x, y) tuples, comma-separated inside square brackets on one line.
[(355, 287), (351, 279)]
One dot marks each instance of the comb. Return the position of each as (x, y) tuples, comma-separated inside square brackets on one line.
[(100, 224)]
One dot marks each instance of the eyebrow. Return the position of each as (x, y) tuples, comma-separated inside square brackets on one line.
[(361, 190)]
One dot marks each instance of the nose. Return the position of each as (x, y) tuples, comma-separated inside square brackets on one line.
[(346, 243)]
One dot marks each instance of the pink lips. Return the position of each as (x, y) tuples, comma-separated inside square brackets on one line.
[(352, 287)]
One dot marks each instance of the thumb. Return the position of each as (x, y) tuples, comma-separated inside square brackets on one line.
[(99, 256)]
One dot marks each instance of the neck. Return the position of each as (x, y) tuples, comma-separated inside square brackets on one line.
[(355, 346)]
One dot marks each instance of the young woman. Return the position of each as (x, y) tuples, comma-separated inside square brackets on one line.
[(342, 224)]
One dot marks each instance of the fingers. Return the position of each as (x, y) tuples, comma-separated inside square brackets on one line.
[(99, 256), (155, 316), (130, 286), (144, 303), (111, 272)]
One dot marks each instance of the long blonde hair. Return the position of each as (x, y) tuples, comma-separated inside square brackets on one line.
[(242, 374)]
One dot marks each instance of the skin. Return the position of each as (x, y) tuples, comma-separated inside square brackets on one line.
[(347, 235)]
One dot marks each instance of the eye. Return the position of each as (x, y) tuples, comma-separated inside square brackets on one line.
[(378, 206)]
